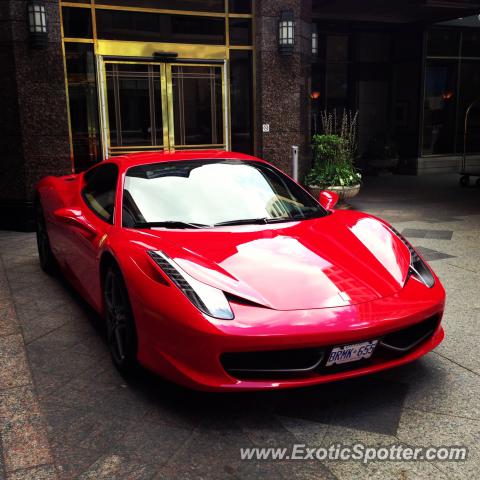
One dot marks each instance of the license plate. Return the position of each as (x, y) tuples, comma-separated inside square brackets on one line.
[(351, 353)]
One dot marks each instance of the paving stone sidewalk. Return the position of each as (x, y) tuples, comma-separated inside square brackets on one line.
[(65, 412)]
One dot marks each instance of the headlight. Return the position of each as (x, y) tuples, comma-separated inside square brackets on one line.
[(207, 299), (418, 267)]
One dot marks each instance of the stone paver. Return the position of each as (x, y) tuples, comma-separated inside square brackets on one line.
[(24, 445), (65, 411)]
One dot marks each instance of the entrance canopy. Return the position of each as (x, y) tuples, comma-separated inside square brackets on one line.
[(395, 11)]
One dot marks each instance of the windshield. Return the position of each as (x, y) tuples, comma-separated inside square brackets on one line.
[(207, 193)]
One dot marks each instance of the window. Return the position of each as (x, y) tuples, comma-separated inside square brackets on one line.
[(452, 74), (192, 5), (443, 43), (99, 190), (240, 6), (241, 99), (470, 43), (439, 107), (240, 31), (468, 96), (82, 97), (331, 76), (337, 48), (77, 22), (159, 27)]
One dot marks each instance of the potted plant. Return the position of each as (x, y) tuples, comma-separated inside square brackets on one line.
[(333, 158)]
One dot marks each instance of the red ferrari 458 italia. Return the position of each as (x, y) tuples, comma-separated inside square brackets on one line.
[(219, 272)]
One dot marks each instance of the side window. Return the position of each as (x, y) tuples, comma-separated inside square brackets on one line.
[(99, 191)]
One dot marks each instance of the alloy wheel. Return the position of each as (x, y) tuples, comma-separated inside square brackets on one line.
[(117, 311)]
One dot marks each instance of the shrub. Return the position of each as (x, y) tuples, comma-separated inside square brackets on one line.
[(333, 153)]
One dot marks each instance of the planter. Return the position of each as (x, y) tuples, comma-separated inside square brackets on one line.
[(344, 193)]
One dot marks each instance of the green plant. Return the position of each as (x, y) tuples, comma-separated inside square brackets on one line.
[(345, 128), (334, 152), (331, 166)]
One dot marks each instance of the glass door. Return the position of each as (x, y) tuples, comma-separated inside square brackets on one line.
[(135, 107), (154, 106), (197, 101)]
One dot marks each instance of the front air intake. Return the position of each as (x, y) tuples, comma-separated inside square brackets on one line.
[(270, 363), (408, 338)]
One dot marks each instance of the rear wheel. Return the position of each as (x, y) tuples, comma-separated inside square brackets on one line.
[(121, 330), (45, 255)]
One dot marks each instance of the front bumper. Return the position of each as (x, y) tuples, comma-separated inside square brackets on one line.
[(190, 353)]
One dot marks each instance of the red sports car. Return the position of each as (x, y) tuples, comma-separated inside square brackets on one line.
[(219, 272)]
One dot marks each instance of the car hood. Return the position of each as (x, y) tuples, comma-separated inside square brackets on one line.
[(341, 259)]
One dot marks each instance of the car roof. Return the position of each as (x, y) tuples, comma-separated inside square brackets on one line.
[(145, 158)]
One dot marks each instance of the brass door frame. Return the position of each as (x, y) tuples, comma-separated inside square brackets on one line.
[(166, 87), (102, 106), (171, 128)]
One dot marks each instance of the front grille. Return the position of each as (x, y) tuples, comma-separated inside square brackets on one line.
[(407, 338), (270, 363), (308, 362)]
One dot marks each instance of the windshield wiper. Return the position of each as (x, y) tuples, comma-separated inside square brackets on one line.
[(170, 224), (253, 221), (307, 216)]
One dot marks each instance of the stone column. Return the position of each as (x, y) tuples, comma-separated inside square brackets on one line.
[(34, 138), (283, 85)]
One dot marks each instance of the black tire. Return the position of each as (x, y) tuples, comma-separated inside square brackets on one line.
[(464, 181), (120, 324), (45, 255)]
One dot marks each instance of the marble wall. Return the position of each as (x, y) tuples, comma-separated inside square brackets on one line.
[(283, 84), (33, 110)]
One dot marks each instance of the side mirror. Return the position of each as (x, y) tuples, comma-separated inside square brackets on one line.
[(75, 218), (328, 199)]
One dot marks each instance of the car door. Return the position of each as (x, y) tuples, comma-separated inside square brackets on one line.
[(97, 206)]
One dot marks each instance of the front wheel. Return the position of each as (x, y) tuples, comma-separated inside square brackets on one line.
[(121, 330)]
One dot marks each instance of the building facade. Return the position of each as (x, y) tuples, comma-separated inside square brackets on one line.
[(83, 80)]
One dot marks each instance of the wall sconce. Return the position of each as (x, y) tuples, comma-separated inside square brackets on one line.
[(314, 41), (448, 95), (37, 23), (286, 32)]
